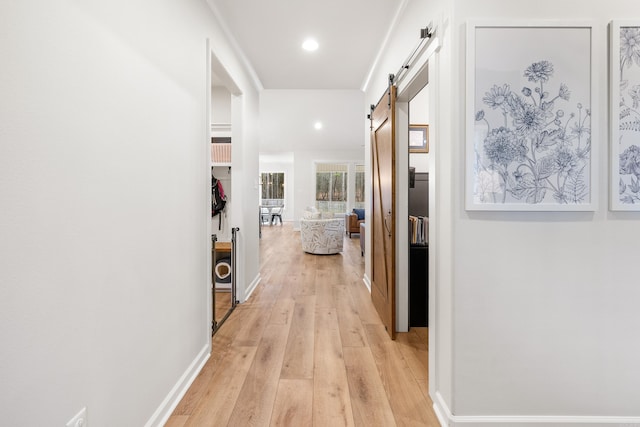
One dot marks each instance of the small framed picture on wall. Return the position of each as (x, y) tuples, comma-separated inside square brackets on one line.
[(418, 138)]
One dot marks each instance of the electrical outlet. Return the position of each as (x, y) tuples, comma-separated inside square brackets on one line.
[(79, 420)]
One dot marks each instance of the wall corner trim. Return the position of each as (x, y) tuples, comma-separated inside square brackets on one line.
[(164, 411), (367, 282), (252, 287), (442, 410), (446, 418)]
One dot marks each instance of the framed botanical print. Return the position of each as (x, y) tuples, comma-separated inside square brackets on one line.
[(530, 97), (624, 193)]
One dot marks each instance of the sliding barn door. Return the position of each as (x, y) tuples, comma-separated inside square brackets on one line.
[(383, 286)]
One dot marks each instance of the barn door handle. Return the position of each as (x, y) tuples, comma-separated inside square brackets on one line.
[(386, 225)]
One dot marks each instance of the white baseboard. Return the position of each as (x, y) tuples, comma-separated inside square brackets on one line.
[(367, 282), (446, 418), (252, 287), (164, 411), (442, 417)]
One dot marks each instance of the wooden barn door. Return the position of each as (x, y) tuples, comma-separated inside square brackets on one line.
[(383, 284)]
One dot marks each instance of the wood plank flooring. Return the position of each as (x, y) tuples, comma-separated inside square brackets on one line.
[(308, 349)]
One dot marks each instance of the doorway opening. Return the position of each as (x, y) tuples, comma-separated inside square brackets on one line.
[(224, 99), (417, 105)]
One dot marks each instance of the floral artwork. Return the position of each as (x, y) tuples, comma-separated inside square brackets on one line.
[(540, 150), (531, 133), (625, 191)]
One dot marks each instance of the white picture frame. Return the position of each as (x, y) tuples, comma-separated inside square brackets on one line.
[(530, 97), (624, 148)]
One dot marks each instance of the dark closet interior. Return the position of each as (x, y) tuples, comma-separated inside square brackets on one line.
[(418, 248)]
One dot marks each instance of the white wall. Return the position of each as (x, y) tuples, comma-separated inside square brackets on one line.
[(220, 106), (535, 313), (287, 119), (544, 304), (245, 169), (419, 114), (104, 185)]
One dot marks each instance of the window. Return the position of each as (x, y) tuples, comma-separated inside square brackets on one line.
[(272, 186), (331, 187), (359, 197)]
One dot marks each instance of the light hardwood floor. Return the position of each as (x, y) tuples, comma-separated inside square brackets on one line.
[(308, 349)]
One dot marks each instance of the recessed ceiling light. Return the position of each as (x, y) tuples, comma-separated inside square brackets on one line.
[(317, 125), (310, 45)]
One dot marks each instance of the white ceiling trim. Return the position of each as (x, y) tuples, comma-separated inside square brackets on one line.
[(383, 46), (236, 47)]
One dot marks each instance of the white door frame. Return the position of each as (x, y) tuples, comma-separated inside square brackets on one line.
[(422, 71), (217, 71)]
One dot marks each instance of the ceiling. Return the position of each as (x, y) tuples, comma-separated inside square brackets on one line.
[(270, 33), (300, 87)]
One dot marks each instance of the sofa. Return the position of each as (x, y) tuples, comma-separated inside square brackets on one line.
[(321, 235), (352, 221)]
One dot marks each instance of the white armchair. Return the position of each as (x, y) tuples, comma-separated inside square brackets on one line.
[(322, 235)]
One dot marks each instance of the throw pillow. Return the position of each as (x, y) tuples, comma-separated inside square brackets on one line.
[(311, 215), (360, 213)]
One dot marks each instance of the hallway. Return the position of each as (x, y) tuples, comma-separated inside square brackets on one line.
[(308, 349)]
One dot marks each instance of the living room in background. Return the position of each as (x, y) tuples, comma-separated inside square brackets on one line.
[(272, 197), (331, 187), (359, 187), (272, 186)]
